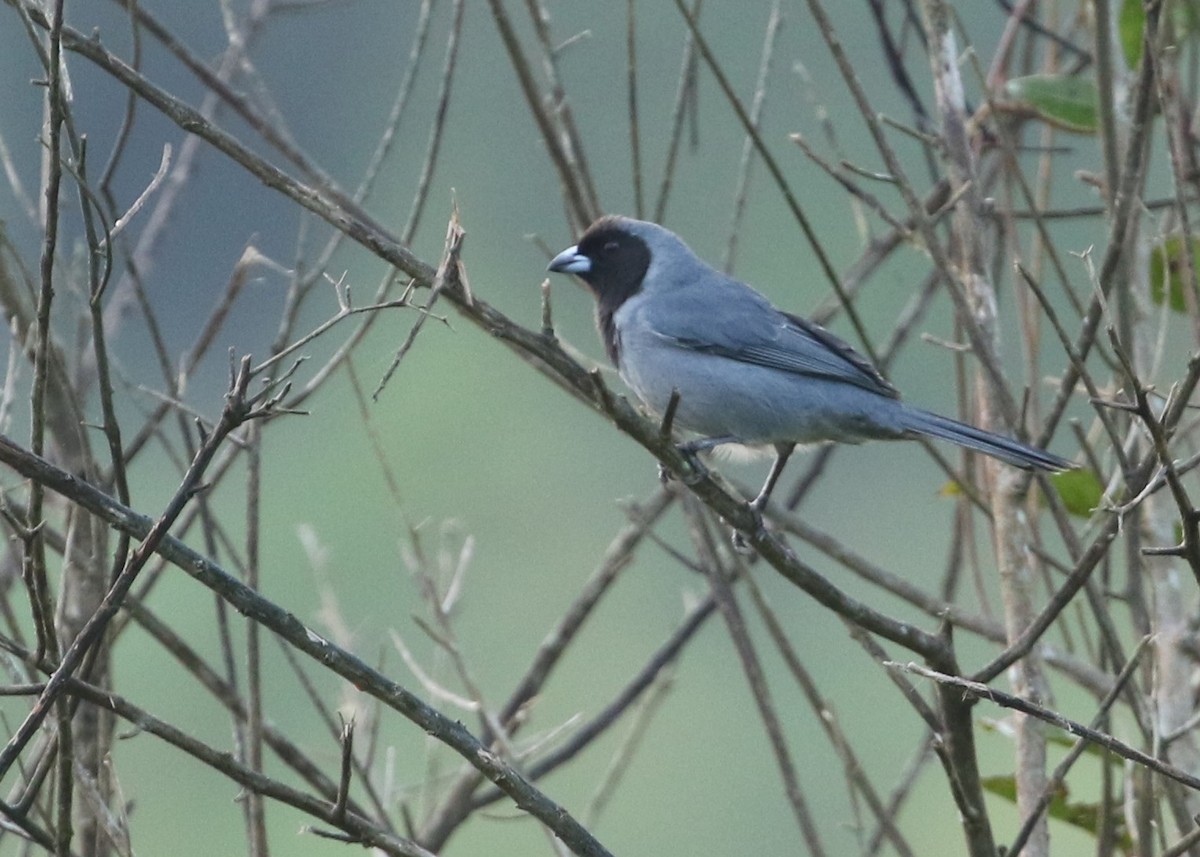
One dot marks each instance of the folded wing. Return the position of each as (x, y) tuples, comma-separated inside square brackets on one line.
[(752, 331)]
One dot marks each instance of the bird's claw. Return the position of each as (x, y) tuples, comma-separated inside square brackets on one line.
[(695, 470), (741, 541), (690, 474)]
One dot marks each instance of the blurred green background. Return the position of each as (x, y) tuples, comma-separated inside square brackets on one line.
[(485, 447)]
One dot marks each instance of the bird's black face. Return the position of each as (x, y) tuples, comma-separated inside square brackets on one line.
[(619, 261), (613, 262), (610, 259)]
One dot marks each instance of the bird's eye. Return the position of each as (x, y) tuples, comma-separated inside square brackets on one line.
[(611, 246)]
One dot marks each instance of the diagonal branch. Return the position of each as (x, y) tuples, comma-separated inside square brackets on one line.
[(247, 601)]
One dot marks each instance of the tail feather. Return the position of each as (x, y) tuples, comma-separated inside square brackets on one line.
[(998, 446)]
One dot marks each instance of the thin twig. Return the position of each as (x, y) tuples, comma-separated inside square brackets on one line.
[(979, 690), (735, 623)]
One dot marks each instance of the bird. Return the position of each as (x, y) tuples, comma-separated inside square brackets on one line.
[(741, 370)]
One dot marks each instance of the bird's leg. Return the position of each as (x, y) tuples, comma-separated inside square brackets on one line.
[(782, 452)]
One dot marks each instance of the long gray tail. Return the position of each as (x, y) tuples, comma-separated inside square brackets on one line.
[(1004, 448)]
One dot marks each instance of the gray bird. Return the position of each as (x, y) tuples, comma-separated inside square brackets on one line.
[(746, 372)]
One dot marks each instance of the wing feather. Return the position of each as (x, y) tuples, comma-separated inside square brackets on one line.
[(753, 331)]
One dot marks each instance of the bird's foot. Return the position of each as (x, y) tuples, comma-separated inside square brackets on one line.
[(758, 529), (695, 470), (690, 450)]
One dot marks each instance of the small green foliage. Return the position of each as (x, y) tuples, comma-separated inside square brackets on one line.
[(1131, 22), (1080, 490), (1065, 101), (1167, 272), (1131, 26), (950, 489), (1084, 816)]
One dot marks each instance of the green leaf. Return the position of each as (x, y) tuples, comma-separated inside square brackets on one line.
[(1004, 785), (1131, 26), (1066, 101), (1167, 272), (1084, 816), (1080, 490), (1186, 17), (1131, 23), (951, 489)]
